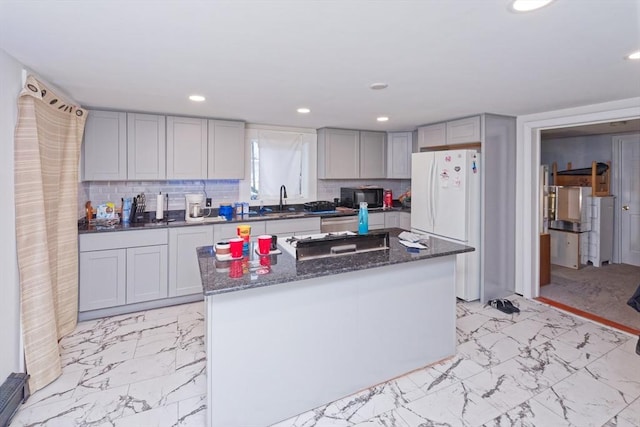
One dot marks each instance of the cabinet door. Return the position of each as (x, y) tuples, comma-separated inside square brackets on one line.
[(432, 135), (373, 154), (184, 271), (463, 131), (105, 146), (399, 147), (103, 280), (391, 219), (565, 248), (338, 154), (289, 227), (226, 147), (146, 146), (376, 220), (405, 220), (146, 273), (186, 148)]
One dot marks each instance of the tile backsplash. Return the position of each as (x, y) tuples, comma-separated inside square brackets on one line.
[(220, 191)]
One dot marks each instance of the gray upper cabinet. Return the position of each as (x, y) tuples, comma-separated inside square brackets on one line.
[(348, 154), (105, 146), (432, 135), (461, 131), (338, 153), (373, 154), (146, 146), (226, 150), (186, 148), (399, 148)]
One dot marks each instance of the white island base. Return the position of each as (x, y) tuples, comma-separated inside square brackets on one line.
[(276, 351)]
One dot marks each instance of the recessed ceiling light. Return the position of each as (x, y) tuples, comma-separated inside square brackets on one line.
[(303, 110), (379, 86), (383, 119), (634, 55), (196, 98), (527, 5)]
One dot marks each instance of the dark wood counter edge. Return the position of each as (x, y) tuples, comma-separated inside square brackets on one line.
[(207, 253)]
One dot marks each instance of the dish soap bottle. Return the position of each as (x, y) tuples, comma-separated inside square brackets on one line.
[(363, 218)]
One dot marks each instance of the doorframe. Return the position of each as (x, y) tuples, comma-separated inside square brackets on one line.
[(616, 185), (527, 228)]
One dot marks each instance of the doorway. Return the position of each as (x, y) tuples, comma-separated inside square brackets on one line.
[(600, 290)]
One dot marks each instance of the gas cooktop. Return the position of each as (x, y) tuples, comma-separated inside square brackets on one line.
[(334, 244), (320, 206)]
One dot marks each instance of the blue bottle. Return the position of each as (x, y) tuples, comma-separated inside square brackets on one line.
[(363, 218)]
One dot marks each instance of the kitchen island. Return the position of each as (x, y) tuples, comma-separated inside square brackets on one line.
[(287, 336)]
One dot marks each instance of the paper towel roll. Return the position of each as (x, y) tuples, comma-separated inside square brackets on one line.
[(159, 206)]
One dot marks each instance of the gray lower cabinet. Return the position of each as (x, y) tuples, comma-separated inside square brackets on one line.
[(289, 227), (184, 271), (229, 231), (103, 279), (405, 220), (146, 273), (119, 268), (376, 220), (392, 219)]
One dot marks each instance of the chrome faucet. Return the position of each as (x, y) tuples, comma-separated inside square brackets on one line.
[(283, 194)]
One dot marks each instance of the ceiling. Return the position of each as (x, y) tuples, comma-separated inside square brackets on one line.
[(260, 60)]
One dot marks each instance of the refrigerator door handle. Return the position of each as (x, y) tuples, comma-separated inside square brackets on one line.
[(432, 196)]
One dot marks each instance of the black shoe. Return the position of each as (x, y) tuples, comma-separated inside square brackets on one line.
[(510, 306), (638, 347), (500, 305)]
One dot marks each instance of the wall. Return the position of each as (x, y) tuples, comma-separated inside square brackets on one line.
[(10, 85), (580, 151), (220, 191)]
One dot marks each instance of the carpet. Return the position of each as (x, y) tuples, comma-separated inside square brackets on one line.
[(602, 291)]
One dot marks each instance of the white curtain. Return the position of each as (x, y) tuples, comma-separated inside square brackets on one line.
[(280, 163), (46, 151)]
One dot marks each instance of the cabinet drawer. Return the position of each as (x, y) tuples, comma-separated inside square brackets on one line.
[(293, 226), (122, 239)]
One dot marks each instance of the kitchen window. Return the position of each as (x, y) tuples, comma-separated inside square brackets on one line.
[(280, 156)]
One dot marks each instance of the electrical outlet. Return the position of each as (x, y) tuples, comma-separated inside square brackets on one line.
[(208, 203)]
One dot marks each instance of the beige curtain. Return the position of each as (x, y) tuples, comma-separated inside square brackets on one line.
[(47, 149)]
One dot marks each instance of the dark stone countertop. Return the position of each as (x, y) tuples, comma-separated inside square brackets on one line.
[(176, 219), (284, 268)]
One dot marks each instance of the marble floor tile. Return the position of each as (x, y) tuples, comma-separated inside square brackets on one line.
[(163, 416), (628, 417), (618, 369), (456, 405), (192, 412), (508, 384), (583, 400), (490, 349), (529, 414), (541, 367)]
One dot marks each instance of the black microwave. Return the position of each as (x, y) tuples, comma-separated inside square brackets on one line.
[(351, 197)]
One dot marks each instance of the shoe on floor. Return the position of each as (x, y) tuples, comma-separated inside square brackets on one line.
[(638, 347)]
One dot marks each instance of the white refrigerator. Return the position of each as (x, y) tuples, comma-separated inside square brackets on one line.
[(445, 202)]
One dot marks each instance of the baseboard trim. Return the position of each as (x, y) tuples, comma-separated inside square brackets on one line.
[(589, 316)]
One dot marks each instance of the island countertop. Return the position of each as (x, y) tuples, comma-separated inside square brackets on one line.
[(282, 268)]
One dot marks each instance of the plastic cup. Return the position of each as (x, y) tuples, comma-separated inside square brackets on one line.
[(264, 244), (235, 245), (244, 231)]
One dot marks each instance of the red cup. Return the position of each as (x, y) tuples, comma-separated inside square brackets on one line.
[(265, 261), (236, 247), (235, 269), (264, 244)]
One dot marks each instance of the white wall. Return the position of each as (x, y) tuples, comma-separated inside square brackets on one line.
[(10, 355), (579, 150)]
